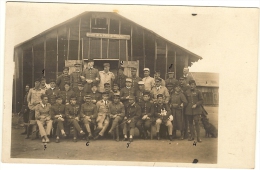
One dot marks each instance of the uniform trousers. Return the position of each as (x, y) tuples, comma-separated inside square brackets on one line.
[(59, 124), (102, 123), (144, 125), (115, 122), (75, 125), (194, 118), (168, 123), (41, 124), (129, 127), (87, 124)]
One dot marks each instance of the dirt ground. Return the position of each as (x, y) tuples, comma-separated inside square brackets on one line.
[(176, 151)]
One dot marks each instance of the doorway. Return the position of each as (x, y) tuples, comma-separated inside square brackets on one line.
[(98, 64)]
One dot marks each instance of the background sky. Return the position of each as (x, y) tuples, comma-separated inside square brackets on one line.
[(208, 34)]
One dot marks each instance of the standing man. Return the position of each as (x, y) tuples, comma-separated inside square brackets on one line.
[(135, 78), (108, 90), (120, 78), (148, 81), (162, 114), (127, 91), (193, 109), (170, 88), (159, 89), (75, 77), (57, 112), (102, 118), (80, 94), (90, 76), (25, 110), (88, 114), (94, 94), (66, 94), (147, 112), (52, 92), (187, 75), (133, 113), (43, 116), (33, 99), (140, 92), (183, 84), (105, 77), (115, 89), (43, 85), (62, 79), (117, 114), (171, 79), (157, 74)]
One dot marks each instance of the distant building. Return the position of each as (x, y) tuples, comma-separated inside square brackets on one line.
[(208, 84)]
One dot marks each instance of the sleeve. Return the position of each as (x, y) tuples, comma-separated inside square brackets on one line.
[(167, 95), (52, 113), (29, 96), (58, 81), (98, 106), (168, 110), (67, 115), (122, 110), (122, 95), (152, 82), (71, 80), (200, 99), (94, 116), (184, 100), (81, 114), (151, 114), (138, 113), (37, 113)]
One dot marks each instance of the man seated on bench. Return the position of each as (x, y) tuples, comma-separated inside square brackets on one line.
[(43, 116)]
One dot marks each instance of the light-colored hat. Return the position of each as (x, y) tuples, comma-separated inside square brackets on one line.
[(140, 83), (146, 69), (128, 79)]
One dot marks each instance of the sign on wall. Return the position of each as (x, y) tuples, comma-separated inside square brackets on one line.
[(110, 36)]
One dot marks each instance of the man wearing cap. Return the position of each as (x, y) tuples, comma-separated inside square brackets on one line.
[(171, 79), (157, 74), (139, 93), (105, 77), (193, 109), (108, 90), (117, 114), (177, 102), (132, 114), (88, 114), (170, 88), (62, 79), (183, 84), (75, 77), (80, 94), (57, 112), (162, 114), (94, 94), (135, 78), (25, 110), (33, 99), (115, 89), (43, 116), (120, 78), (72, 117), (147, 112), (103, 112), (187, 75), (159, 89), (43, 85), (66, 94), (90, 76), (148, 81), (127, 91), (52, 92)]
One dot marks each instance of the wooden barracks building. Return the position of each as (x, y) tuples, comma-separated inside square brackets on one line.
[(102, 36)]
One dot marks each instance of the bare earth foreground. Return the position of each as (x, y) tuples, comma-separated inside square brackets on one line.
[(176, 151)]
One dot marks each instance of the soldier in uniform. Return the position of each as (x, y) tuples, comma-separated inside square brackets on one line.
[(120, 78), (72, 117), (116, 90), (62, 79), (80, 94), (105, 77), (135, 78), (52, 92), (148, 81), (43, 116), (90, 76), (187, 75), (127, 91), (159, 89), (162, 114), (157, 75), (147, 112), (25, 110), (57, 112), (183, 84), (171, 79), (177, 102), (193, 109), (139, 93), (88, 114), (102, 118), (132, 114), (66, 94), (108, 90), (95, 95), (117, 114), (170, 87), (75, 77)]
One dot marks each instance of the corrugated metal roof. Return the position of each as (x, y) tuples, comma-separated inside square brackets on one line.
[(206, 79)]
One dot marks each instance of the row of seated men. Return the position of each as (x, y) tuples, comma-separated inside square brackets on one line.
[(128, 108)]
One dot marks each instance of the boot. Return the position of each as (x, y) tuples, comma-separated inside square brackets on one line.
[(117, 134), (158, 136), (170, 137), (25, 130), (29, 128), (174, 134)]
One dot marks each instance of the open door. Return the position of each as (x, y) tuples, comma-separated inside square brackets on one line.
[(128, 65), (70, 64)]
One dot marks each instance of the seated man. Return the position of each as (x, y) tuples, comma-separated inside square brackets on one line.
[(88, 114), (147, 112), (117, 113), (72, 117), (162, 114), (140, 92), (43, 116), (58, 115), (159, 89), (95, 95), (116, 90), (102, 118), (66, 94), (127, 91), (133, 112), (80, 94)]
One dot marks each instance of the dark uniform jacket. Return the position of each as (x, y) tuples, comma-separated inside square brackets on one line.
[(171, 80), (25, 103), (135, 82), (52, 93), (91, 74), (88, 109), (133, 112), (71, 111), (116, 109), (120, 80), (176, 100), (95, 96), (57, 109), (184, 88), (158, 109), (139, 96), (80, 96), (75, 79), (61, 80), (66, 95), (193, 97), (110, 95), (126, 92), (147, 108)]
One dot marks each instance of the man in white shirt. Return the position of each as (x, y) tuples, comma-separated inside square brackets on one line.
[(148, 81), (105, 77), (187, 75)]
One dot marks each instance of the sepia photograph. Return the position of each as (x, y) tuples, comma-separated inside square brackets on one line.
[(123, 83)]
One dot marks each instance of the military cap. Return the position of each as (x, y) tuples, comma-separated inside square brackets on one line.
[(106, 65), (104, 93), (66, 83), (87, 96), (157, 71), (158, 79), (181, 78), (66, 68), (146, 69), (133, 69), (128, 80), (80, 84), (77, 65), (192, 81), (159, 95), (73, 97), (52, 80), (106, 84), (37, 79), (116, 95), (90, 60), (58, 97), (131, 97), (170, 72), (140, 83), (146, 93), (115, 84)]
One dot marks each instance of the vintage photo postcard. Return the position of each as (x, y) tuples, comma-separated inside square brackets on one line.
[(130, 85)]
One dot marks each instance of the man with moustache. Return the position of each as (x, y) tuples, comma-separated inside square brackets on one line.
[(62, 79), (52, 92), (120, 78), (66, 94), (148, 81)]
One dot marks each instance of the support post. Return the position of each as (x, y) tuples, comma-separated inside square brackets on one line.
[(68, 51), (32, 66), (155, 54), (22, 73), (175, 64), (79, 39), (101, 47), (90, 28), (119, 48), (144, 48), (57, 66), (44, 61), (166, 58), (108, 31), (131, 41)]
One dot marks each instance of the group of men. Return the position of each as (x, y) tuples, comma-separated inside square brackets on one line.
[(92, 100)]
